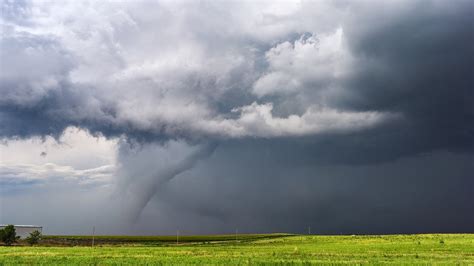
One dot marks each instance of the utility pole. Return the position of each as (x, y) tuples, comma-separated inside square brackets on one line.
[(309, 230), (236, 231), (93, 235), (177, 237)]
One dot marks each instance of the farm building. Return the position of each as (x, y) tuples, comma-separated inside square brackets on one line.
[(24, 231)]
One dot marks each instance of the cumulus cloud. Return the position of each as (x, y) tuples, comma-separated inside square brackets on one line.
[(94, 77), (33, 66), (310, 62), (257, 120)]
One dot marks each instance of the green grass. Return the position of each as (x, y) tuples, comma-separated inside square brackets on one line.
[(264, 249), (154, 240)]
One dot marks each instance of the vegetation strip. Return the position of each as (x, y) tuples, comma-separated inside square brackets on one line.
[(248, 249)]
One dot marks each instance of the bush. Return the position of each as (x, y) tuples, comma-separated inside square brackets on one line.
[(34, 237), (8, 235)]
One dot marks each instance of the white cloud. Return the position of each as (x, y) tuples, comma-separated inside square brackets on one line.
[(168, 67), (311, 62), (75, 147), (50, 172), (257, 120), (76, 157)]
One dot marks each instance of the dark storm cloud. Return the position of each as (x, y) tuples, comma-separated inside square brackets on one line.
[(419, 64), (346, 117), (242, 187)]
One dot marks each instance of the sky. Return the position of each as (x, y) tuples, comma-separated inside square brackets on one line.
[(147, 117)]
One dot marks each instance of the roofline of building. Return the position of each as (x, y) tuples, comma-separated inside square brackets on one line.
[(22, 225)]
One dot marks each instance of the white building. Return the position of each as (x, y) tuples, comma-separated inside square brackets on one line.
[(23, 231)]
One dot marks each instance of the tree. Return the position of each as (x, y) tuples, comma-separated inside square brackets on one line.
[(34, 237), (8, 235)]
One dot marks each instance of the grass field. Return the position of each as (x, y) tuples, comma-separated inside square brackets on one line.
[(249, 249), (60, 240)]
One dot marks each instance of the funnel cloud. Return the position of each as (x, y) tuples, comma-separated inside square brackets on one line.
[(143, 189)]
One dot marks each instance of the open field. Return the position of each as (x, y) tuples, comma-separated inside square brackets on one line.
[(250, 249), (153, 240), (58, 240)]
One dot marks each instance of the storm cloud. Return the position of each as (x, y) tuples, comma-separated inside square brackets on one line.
[(349, 117)]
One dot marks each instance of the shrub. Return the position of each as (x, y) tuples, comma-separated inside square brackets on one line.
[(8, 235), (34, 237)]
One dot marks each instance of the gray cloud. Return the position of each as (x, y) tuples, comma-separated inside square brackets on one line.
[(90, 72), (305, 101), (252, 190), (154, 167)]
